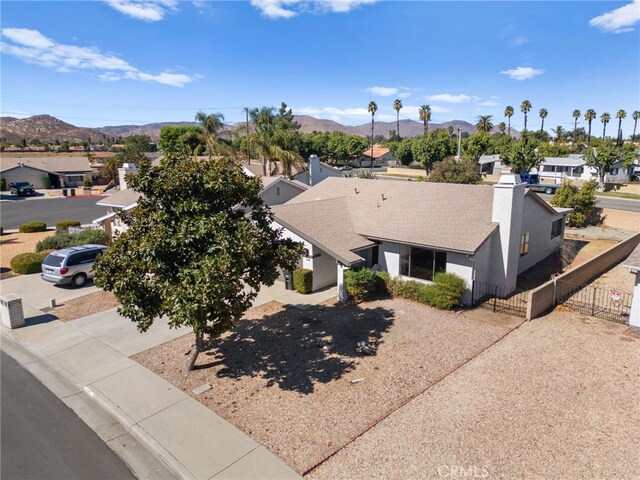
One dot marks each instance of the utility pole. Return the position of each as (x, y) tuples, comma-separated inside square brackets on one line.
[(459, 143)]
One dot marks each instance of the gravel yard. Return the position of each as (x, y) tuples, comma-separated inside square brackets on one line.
[(83, 306), (556, 398), (271, 377)]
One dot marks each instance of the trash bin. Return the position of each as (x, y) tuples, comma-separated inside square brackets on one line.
[(73, 192), (288, 279), (64, 192)]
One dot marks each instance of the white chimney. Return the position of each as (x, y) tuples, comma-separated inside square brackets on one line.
[(314, 170), (123, 171), (508, 207)]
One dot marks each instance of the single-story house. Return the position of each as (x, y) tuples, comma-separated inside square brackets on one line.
[(42, 172), (381, 156), (485, 234)]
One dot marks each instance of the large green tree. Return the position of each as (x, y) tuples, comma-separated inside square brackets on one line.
[(601, 156), (605, 118), (576, 116), (581, 200), (589, 116), (543, 114), (451, 171), (424, 113), (178, 137), (522, 155), (484, 123), (198, 249), (435, 147), (620, 115)]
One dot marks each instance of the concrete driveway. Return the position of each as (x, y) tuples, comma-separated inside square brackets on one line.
[(36, 292), (278, 293)]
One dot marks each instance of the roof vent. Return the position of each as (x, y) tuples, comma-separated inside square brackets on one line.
[(383, 197), (356, 191)]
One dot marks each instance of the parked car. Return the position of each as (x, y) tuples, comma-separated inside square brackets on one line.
[(73, 265), (22, 189)]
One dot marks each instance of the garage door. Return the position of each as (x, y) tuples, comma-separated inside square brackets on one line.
[(34, 177)]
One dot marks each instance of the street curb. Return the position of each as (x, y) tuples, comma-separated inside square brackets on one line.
[(147, 440)]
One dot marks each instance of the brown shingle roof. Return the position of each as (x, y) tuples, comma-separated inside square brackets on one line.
[(53, 164), (378, 151), (443, 216)]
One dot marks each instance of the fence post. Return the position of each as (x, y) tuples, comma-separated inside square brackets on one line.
[(593, 302), (554, 290), (495, 299)]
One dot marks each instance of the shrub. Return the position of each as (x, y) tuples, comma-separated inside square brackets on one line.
[(582, 200), (31, 227), (303, 280), (410, 289), (65, 224), (26, 263), (362, 282), (64, 240), (446, 291)]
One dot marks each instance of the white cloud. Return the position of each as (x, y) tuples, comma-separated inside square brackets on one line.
[(490, 102), (522, 73), (290, 8), (518, 41), (620, 20), (147, 10), (400, 92), (448, 98), (33, 47)]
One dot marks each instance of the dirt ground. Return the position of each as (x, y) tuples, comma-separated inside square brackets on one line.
[(272, 378), (16, 243), (83, 306), (556, 398), (622, 219)]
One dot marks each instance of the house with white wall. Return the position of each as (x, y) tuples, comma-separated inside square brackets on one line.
[(381, 156), (485, 234), (46, 171)]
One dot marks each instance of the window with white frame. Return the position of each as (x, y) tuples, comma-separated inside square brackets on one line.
[(524, 244), (421, 263)]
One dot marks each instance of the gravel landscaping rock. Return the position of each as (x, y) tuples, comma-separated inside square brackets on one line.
[(555, 399), (83, 306), (274, 378)]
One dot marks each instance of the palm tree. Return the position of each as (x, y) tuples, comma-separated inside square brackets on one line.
[(543, 114), (484, 123), (425, 116), (397, 106), (372, 109), (620, 115), (502, 127), (604, 118), (576, 115), (268, 141), (559, 133), (208, 135), (589, 116), (635, 116), (525, 107), (508, 112)]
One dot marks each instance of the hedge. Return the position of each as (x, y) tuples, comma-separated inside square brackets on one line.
[(65, 240), (31, 227), (65, 224), (303, 280), (26, 263)]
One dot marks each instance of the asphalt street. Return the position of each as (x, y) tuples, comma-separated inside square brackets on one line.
[(51, 210), (609, 202), (43, 438)]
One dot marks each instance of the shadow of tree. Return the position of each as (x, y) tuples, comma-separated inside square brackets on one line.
[(294, 349)]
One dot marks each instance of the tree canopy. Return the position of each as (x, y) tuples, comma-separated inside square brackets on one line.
[(198, 248)]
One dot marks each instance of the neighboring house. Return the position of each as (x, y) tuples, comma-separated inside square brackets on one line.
[(381, 156), (55, 171), (275, 191), (317, 172), (485, 234), (490, 164)]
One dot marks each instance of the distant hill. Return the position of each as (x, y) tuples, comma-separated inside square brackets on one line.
[(151, 129), (48, 129)]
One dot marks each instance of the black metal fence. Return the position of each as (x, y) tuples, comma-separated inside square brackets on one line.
[(499, 299), (594, 301)]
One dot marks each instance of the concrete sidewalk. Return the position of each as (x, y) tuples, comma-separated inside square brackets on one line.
[(93, 352)]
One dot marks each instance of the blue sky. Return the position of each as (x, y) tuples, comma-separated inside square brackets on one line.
[(132, 62)]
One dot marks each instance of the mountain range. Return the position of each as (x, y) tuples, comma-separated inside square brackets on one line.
[(48, 129)]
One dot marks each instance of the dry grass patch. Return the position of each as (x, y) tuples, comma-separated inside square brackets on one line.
[(272, 378), (87, 305)]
